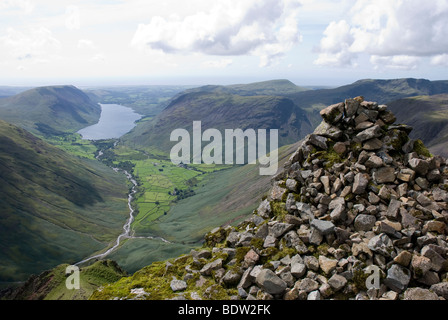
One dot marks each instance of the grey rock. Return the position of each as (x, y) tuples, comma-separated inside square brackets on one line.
[(264, 209), (374, 162), (209, 267), (231, 277), (279, 229), (440, 195), (393, 209), (291, 184), (311, 263), (270, 282), (178, 285), (381, 244), (360, 183), (419, 294), (397, 278), (246, 279), (315, 237), (351, 107), (326, 183), (370, 133), (328, 131), (338, 213), (318, 141), (420, 166), (298, 269), (384, 175), (333, 114), (437, 261), (324, 227), (314, 295), (277, 192), (372, 144), (364, 222), (337, 282), (308, 285), (441, 289), (270, 242)]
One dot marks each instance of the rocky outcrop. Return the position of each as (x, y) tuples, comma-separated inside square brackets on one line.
[(358, 192), (359, 212)]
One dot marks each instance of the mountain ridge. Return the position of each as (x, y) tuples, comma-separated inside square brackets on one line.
[(50, 110)]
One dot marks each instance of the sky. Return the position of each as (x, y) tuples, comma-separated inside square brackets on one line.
[(195, 42)]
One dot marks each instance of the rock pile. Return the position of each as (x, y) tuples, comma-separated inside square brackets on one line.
[(357, 196)]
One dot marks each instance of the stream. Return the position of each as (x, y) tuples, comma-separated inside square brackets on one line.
[(127, 226)]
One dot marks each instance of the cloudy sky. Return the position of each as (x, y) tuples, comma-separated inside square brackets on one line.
[(310, 42)]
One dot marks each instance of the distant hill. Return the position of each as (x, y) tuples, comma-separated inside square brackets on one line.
[(50, 110), (428, 115), (279, 87), (221, 107), (54, 207), (381, 91)]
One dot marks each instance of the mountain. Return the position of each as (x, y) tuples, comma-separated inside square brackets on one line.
[(221, 107), (359, 213), (50, 110), (277, 104), (428, 115), (54, 207), (50, 285), (279, 87)]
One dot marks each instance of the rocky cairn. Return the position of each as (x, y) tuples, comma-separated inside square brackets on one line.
[(358, 193)]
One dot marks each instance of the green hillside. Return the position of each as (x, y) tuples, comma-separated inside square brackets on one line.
[(50, 285), (221, 111), (428, 115), (50, 110), (54, 207)]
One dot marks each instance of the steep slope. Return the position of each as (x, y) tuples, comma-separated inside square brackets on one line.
[(221, 110), (381, 91), (50, 285), (359, 212), (50, 110), (428, 115), (54, 207)]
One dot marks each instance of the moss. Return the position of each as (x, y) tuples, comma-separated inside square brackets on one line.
[(257, 243), (279, 209), (323, 249), (359, 279), (398, 139), (240, 253), (212, 239), (421, 150)]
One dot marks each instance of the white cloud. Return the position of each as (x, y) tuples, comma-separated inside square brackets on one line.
[(392, 33), (267, 29), (440, 60), (217, 64), (401, 62), (86, 43), (25, 6), (37, 44), (72, 18)]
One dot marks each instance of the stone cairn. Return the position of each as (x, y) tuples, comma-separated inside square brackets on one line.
[(358, 193)]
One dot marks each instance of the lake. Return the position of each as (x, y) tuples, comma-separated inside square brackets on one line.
[(115, 121)]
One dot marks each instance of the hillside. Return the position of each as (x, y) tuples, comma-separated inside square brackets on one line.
[(50, 285), (54, 207), (428, 115), (381, 91), (221, 110), (359, 215), (50, 110)]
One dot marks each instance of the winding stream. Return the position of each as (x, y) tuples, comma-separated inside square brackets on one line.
[(127, 226)]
